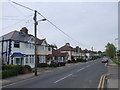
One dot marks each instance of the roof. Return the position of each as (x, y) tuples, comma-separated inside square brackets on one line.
[(17, 54), (64, 54), (58, 53), (66, 48), (19, 36), (16, 35)]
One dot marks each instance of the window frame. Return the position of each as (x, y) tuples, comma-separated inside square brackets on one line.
[(16, 44)]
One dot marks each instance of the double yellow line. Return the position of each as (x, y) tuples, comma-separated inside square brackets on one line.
[(102, 82)]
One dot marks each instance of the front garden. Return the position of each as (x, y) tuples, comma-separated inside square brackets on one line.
[(13, 70)]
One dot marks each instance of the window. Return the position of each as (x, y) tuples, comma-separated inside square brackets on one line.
[(17, 44), (17, 60), (30, 58), (49, 49), (42, 59), (42, 47), (30, 46), (26, 45)]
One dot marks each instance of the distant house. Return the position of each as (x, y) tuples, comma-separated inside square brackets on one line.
[(77, 53), (73, 53), (18, 48), (60, 56), (87, 54)]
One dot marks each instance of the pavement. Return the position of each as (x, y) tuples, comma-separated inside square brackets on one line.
[(113, 78)]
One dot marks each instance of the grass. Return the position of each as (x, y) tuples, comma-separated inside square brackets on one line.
[(116, 60)]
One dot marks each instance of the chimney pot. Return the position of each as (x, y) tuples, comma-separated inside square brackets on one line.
[(24, 30)]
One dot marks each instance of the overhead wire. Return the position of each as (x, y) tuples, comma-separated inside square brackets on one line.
[(21, 13), (21, 5), (60, 29), (49, 22), (14, 23)]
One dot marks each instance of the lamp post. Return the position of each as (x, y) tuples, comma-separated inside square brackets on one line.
[(35, 32)]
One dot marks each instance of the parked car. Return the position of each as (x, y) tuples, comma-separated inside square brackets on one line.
[(58, 62), (104, 60)]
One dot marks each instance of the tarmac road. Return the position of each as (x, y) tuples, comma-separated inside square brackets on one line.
[(80, 75)]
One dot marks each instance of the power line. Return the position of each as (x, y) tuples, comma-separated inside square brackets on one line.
[(60, 29), (17, 9), (21, 5), (14, 23), (49, 22), (9, 19)]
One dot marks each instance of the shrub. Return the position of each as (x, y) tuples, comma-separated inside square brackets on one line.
[(52, 65), (8, 73), (17, 68), (81, 60), (42, 65), (84, 60), (28, 67), (69, 61), (3, 67), (13, 70)]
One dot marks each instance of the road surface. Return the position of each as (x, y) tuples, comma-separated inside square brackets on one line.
[(79, 75)]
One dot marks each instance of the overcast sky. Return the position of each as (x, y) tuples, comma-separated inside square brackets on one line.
[(93, 24)]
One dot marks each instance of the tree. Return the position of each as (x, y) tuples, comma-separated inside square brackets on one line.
[(118, 53), (110, 50), (53, 46), (99, 52)]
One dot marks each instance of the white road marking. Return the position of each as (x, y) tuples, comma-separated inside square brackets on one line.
[(63, 78), (87, 66), (80, 69), (105, 64)]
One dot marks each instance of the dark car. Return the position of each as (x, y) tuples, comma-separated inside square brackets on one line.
[(104, 60), (58, 62)]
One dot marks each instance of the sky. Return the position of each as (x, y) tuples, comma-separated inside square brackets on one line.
[(92, 24)]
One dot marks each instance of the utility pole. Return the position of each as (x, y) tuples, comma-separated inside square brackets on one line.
[(35, 32)]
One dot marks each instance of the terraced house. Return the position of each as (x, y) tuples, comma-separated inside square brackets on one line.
[(17, 47)]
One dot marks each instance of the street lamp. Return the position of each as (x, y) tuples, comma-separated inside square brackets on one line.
[(42, 20), (35, 30)]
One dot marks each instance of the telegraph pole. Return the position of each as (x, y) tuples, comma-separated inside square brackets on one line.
[(35, 32)]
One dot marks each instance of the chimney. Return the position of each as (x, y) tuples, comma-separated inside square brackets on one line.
[(24, 30), (67, 44)]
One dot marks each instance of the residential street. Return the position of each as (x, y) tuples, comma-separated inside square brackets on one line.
[(80, 75)]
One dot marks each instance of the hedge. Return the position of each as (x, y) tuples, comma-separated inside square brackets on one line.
[(46, 65), (28, 67), (52, 65), (13, 70), (42, 65), (81, 60)]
